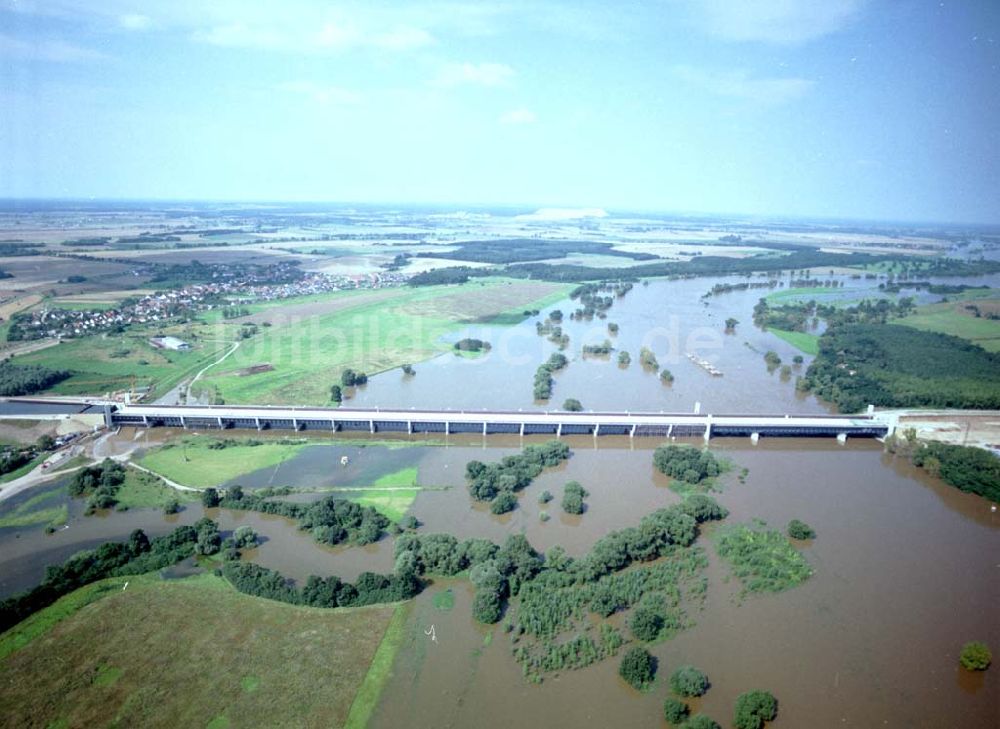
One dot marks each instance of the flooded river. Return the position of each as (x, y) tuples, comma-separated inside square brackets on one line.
[(906, 568), (669, 317), (906, 572)]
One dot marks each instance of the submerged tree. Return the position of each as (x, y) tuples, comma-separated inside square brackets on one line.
[(754, 708), (976, 656), (638, 667)]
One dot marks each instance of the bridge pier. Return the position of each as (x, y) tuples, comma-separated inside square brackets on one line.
[(754, 437), (409, 427), (631, 432), (522, 429), (597, 429), (257, 423), (484, 427), (708, 428), (447, 428), (371, 425), (842, 438), (145, 420), (559, 431), (183, 423), (219, 421)]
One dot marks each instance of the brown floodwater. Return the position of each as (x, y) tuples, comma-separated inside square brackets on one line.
[(669, 317), (906, 572), (906, 568)]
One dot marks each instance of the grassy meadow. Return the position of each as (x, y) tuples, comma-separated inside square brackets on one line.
[(802, 341), (309, 350), (307, 340), (953, 318), (192, 462), (193, 652)]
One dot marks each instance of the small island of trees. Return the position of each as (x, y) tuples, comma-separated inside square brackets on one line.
[(686, 463), (350, 378), (800, 530), (472, 345), (976, 656), (571, 404), (688, 681), (754, 709), (573, 496), (637, 668)]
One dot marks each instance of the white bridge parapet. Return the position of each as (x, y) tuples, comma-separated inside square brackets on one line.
[(556, 423)]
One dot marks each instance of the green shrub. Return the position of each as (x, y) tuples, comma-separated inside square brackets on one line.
[(976, 656), (688, 681), (646, 623), (800, 530), (638, 668), (753, 708), (674, 711), (503, 502), (700, 721)]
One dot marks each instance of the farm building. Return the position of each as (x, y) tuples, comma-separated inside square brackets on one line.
[(178, 345)]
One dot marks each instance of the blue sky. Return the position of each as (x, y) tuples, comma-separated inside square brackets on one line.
[(876, 109)]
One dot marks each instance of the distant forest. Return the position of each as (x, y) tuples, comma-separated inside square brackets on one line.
[(889, 365), (789, 258), (513, 250), (27, 379)]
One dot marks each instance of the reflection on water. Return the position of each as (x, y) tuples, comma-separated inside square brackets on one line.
[(905, 566), (670, 317), (905, 574)]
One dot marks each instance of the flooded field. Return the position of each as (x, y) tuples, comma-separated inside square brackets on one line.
[(905, 567), (670, 318), (905, 573)]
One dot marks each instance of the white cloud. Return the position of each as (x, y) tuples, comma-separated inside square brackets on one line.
[(238, 35), (480, 74), (54, 50), (134, 21), (740, 84), (402, 38), (775, 21), (518, 116), (323, 94)]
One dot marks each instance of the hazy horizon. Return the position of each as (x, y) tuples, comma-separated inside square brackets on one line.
[(851, 110)]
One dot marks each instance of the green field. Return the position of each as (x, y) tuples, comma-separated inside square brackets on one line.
[(392, 494), (307, 340), (103, 364), (46, 507), (802, 341), (378, 672), (191, 462), (143, 491), (803, 294), (951, 318), (193, 652), (308, 351)]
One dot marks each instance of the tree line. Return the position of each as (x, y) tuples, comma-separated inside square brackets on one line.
[(112, 559), (27, 379)]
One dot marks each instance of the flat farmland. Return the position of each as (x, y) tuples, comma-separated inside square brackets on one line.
[(103, 364), (309, 344), (103, 656), (953, 318), (30, 272)]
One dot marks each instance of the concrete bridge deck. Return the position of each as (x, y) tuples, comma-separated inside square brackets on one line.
[(555, 423)]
